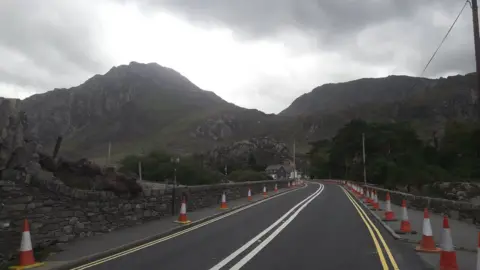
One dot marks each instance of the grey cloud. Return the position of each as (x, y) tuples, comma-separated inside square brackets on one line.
[(334, 25), (51, 39)]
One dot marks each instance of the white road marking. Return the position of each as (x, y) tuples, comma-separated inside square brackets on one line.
[(235, 254), (202, 224)]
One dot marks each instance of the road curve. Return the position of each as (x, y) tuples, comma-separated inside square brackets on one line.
[(317, 227)]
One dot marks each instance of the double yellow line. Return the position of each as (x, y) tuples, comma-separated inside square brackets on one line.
[(375, 234)]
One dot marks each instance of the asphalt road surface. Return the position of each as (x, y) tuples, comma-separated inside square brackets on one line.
[(316, 227)]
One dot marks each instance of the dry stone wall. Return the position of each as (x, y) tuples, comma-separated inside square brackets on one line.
[(58, 213)]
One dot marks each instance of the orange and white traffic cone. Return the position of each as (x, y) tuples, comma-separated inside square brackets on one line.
[(276, 188), (249, 194), (376, 205), (265, 191), (427, 244), (405, 226), (182, 218), (367, 194), (223, 204), (26, 258), (478, 252), (448, 256), (389, 214)]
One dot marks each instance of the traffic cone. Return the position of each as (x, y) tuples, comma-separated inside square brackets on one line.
[(265, 191), (405, 226), (249, 194), (448, 256), (427, 244), (478, 252), (26, 258), (365, 199), (376, 205), (276, 188), (223, 204), (389, 214), (182, 218)]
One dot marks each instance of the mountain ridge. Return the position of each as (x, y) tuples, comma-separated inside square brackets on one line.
[(137, 107)]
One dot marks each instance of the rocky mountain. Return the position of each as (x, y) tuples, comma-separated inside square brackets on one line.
[(138, 107), (135, 107), (427, 103), (340, 96)]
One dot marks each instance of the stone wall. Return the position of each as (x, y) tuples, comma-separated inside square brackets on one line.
[(465, 211), (58, 213)]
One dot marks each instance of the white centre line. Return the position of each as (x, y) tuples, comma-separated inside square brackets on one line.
[(251, 254)]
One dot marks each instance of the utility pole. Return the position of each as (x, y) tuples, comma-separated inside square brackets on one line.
[(175, 161), (476, 42), (140, 170), (294, 164), (109, 153), (363, 151)]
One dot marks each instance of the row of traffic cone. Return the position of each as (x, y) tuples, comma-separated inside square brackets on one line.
[(27, 259), (182, 218), (448, 260)]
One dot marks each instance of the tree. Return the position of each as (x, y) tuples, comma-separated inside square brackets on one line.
[(157, 167)]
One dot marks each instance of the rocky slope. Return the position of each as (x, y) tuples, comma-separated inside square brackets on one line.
[(22, 158), (138, 107), (427, 103), (247, 153)]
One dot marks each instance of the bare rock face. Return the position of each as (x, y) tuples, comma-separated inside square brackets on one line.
[(262, 151), (21, 156), (217, 129), (18, 150)]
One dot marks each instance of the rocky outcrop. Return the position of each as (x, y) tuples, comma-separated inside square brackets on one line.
[(22, 159), (458, 191), (262, 151), (217, 129), (18, 148)]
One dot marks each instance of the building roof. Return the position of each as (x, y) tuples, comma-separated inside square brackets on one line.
[(287, 168), (273, 167)]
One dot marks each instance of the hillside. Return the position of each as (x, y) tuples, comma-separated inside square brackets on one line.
[(138, 107), (340, 96), (427, 103)]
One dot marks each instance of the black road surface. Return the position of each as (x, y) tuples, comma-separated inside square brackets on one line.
[(328, 233)]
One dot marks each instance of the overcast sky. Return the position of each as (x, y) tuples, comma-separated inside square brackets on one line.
[(255, 53)]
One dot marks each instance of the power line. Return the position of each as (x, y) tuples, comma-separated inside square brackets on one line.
[(445, 37), (441, 43)]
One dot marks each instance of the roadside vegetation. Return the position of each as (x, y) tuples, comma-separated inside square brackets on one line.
[(159, 166), (396, 155)]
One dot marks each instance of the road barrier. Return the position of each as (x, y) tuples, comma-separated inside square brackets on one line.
[(405, 226), (427, 244), (223, 204), (448, 256), (478, 252), (182, 218), (26, 258), (454, 209), (389, 214)]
